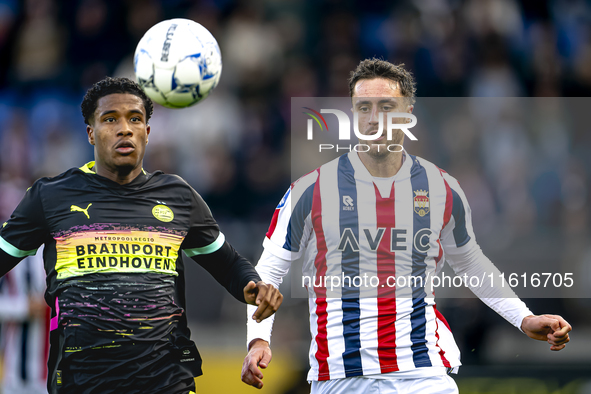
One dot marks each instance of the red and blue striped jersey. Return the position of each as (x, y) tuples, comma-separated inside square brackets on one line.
[(339, 221)]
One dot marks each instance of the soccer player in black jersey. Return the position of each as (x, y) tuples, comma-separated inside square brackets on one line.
[(113, 236)]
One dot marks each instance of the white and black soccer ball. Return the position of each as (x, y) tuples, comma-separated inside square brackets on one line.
[(178, 63)]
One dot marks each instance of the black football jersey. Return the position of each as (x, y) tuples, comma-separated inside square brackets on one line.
[(115, 277)]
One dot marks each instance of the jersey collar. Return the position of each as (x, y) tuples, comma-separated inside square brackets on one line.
[(88, 168), (361, 171)]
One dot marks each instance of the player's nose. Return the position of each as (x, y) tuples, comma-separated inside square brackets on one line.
[(125, 129), (374, 116)]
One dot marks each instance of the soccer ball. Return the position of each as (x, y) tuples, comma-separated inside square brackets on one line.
[(178, 63)]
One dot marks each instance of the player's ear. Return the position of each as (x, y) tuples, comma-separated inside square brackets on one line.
[(90, 132), (147, 133)]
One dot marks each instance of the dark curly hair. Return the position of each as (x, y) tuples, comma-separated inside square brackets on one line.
[(110, 86), (377, 68)]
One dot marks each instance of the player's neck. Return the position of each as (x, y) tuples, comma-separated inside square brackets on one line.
[(121, 176), (384, 166)]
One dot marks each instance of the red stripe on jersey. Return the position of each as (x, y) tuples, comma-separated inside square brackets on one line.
[(320, 263), (449, 199), (438, 258), (273, 223), (386, 268), (439, 316), (449, 202)]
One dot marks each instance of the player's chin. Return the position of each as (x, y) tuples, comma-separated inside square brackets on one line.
[(127, 163), (378, 151)]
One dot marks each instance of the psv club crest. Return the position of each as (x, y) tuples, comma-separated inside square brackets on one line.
[(421, 202)]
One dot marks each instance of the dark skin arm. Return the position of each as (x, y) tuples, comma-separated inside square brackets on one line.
[(241, 280)]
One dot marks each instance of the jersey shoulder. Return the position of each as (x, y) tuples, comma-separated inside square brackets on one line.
[(310, 178), (171, 179), (73, 176), (434, 169), (426, 164), (176, 184)]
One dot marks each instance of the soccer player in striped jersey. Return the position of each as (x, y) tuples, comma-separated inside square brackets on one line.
[(24, 332), (390, 215), (114, 235)]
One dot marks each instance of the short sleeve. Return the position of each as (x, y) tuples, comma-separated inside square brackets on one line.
[(204, 236), (26, 230)]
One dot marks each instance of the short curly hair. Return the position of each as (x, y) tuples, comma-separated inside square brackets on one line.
[(377, 68), (111, 86)]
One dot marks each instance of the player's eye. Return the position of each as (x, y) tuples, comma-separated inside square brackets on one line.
[(110, 119), (363, 109), (387, 108), (136, 119)]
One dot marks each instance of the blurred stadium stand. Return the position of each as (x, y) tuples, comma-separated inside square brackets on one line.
[(234, 148)]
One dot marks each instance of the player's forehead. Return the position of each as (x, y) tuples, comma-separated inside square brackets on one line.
[(119, 102), (376, 87)]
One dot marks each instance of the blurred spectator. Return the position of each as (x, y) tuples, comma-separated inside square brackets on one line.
[(38, 52), (24, 316)]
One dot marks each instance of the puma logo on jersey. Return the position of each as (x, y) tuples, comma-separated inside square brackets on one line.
[(75, 208)]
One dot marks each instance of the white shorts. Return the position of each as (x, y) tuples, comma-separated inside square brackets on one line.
[(432, 385)]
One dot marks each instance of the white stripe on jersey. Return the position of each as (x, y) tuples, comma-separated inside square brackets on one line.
[(330, 225), (404, 209)]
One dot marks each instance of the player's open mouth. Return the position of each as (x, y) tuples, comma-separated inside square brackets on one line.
[(124, 147), (372, 133)]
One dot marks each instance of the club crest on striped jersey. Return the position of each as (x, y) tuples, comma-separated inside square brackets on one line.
[(163, 213), (421, 202)]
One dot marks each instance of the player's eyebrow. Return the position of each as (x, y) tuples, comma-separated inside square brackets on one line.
[(136, 111), (382, 101), (111, 111), (388, 101)]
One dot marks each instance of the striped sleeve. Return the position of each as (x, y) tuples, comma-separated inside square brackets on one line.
[(290, 226), (458, 234)]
